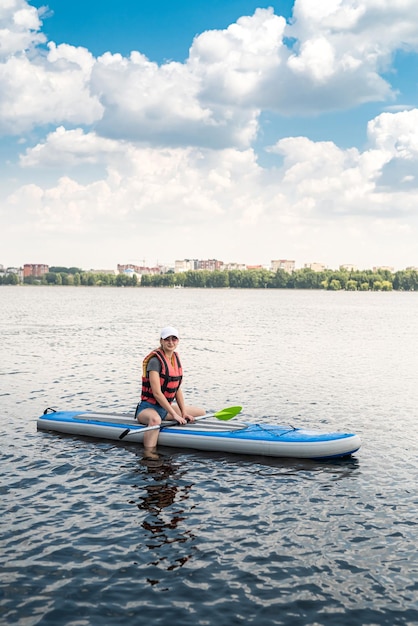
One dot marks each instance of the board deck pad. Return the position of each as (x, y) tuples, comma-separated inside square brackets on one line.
[(130, 422)]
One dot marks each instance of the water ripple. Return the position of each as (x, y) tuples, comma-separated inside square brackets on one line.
[(92, 534)]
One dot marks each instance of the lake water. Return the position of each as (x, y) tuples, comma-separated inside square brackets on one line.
[(93, 535)]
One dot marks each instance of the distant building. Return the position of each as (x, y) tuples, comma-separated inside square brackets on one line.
[(210, 265), (35, 269), (283, 264), (110, 272), (233, 266), (315, 267), (139, 270), (18, 271), (384, 268), (186, 265)]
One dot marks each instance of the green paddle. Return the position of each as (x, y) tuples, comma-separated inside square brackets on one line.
[(224, 415)]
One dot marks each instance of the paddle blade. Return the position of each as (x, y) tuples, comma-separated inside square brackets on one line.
[(228, 414)]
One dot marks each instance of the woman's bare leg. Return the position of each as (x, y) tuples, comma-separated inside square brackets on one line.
[(196, 411), (149, 417)]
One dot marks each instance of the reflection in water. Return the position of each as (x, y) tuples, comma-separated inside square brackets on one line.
[(164, 512)]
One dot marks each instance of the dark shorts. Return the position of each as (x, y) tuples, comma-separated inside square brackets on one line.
[(148, 405)]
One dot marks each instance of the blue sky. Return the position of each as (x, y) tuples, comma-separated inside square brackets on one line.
[(161, 30), (243, 131)]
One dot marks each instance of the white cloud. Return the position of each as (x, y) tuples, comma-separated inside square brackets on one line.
[(167, 150), (216, 96), (47, 90), (396, 133), (189, 188), (19, 27), (184, 202), (369, 28), (316, 59), (63, 148), (232, 64), (343, 46)]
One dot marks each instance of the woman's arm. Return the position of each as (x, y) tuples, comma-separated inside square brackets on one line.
[(154, 379), (180, 401), (189, 417)]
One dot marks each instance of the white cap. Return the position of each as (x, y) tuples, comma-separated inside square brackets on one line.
[(169, 331)]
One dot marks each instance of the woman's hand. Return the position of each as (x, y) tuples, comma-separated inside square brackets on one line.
[(183, 419), (179, 418)]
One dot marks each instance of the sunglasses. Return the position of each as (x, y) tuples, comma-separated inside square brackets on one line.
[(171, 338)]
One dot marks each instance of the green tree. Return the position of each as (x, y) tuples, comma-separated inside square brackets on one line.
[(50, 278), (10, 279), (235, 278), (334, 285), (168, 280), (249, 279), (196, 278), (280, 279), (306, 278), (341, 277), (64, 270), (384, 274), (145, 280), (30, 280), (124, 280), (218, 279), (121, 280), (387, 285), (179, 279), (102, 280), (406, 280)]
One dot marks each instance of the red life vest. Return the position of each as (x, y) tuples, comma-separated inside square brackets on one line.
[(170, 377)]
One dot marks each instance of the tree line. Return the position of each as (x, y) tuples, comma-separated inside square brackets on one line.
[(75, 276), (331, 280)]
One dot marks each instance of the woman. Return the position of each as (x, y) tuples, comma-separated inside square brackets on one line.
[(161, 379)]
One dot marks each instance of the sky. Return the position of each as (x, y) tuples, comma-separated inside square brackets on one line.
[(147, 132)]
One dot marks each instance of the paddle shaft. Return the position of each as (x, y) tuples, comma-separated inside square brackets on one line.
[(224, 414), (174, 423)]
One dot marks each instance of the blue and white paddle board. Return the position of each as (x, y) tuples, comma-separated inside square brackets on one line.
[(208, 434)]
